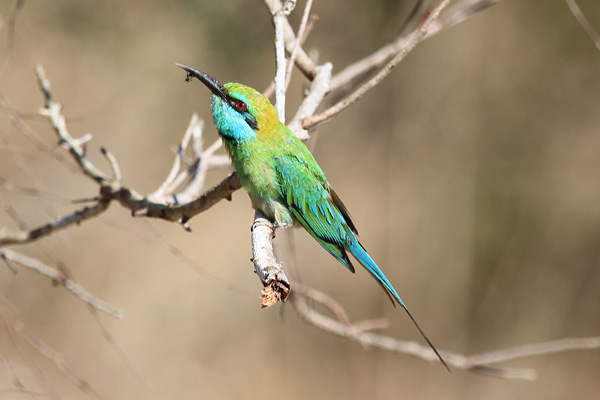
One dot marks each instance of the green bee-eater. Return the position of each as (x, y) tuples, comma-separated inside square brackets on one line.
[(283, 179)]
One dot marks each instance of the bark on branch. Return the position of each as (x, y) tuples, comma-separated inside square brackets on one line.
[(270, 272)]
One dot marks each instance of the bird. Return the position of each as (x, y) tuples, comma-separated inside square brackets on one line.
[(282, 178)]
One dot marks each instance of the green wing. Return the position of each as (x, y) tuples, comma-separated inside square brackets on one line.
[(304, 190)]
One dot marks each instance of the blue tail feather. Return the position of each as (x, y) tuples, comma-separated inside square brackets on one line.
[(365, 259)]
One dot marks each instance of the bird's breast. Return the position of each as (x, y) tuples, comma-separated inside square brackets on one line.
[(258, 176)]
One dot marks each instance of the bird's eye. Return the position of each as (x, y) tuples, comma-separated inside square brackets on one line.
[(241, 106)]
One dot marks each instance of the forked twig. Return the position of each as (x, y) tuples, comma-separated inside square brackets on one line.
[(61, 278)]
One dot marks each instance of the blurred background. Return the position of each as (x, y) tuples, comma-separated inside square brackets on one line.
[(472, 172)]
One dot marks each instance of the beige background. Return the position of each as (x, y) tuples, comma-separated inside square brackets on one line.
[(472, 174)]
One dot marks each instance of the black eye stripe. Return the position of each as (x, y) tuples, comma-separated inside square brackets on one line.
[(248, 117), (250, 120)]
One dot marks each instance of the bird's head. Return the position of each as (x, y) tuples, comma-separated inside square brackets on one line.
[(240, 112)]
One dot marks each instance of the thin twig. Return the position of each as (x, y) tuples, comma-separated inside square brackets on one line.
[(193, 264), (223, 190), (204, 162), (384, 72), (279, 20), (332, 305), (459, 12), (11, 372), (12, 24), (338, 310), (299, 39), (584, 23), (52, 111), (65, 221), (60, 278), (270, 89), (536, 349), (59, 223), (453, 15), (13, 328), (318, 89), (167, 186), (32, 191), (114, 165), (59, 360), (478, 363), (303, 61), (19, 159), (197, 170)]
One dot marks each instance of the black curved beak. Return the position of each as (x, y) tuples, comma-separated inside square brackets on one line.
[(214, 85)]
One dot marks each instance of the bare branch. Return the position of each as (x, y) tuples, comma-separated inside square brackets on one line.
[(212, 196), (203, 161), (52, 111), (318, 89), (300, 38), (459, 12), (536, 349), (12, 23), (304, 31), (62, 279), (303, 61), (11, 372), (329, 302), (13, 328), (112, 189), (583, 21), (32, 191), (479, 363), (279, 20), (219, 161), (454, 15), (136, 203), (385, 71), (114, 165), (29, 133), (167, 186), (59, 223), (270, 272)]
